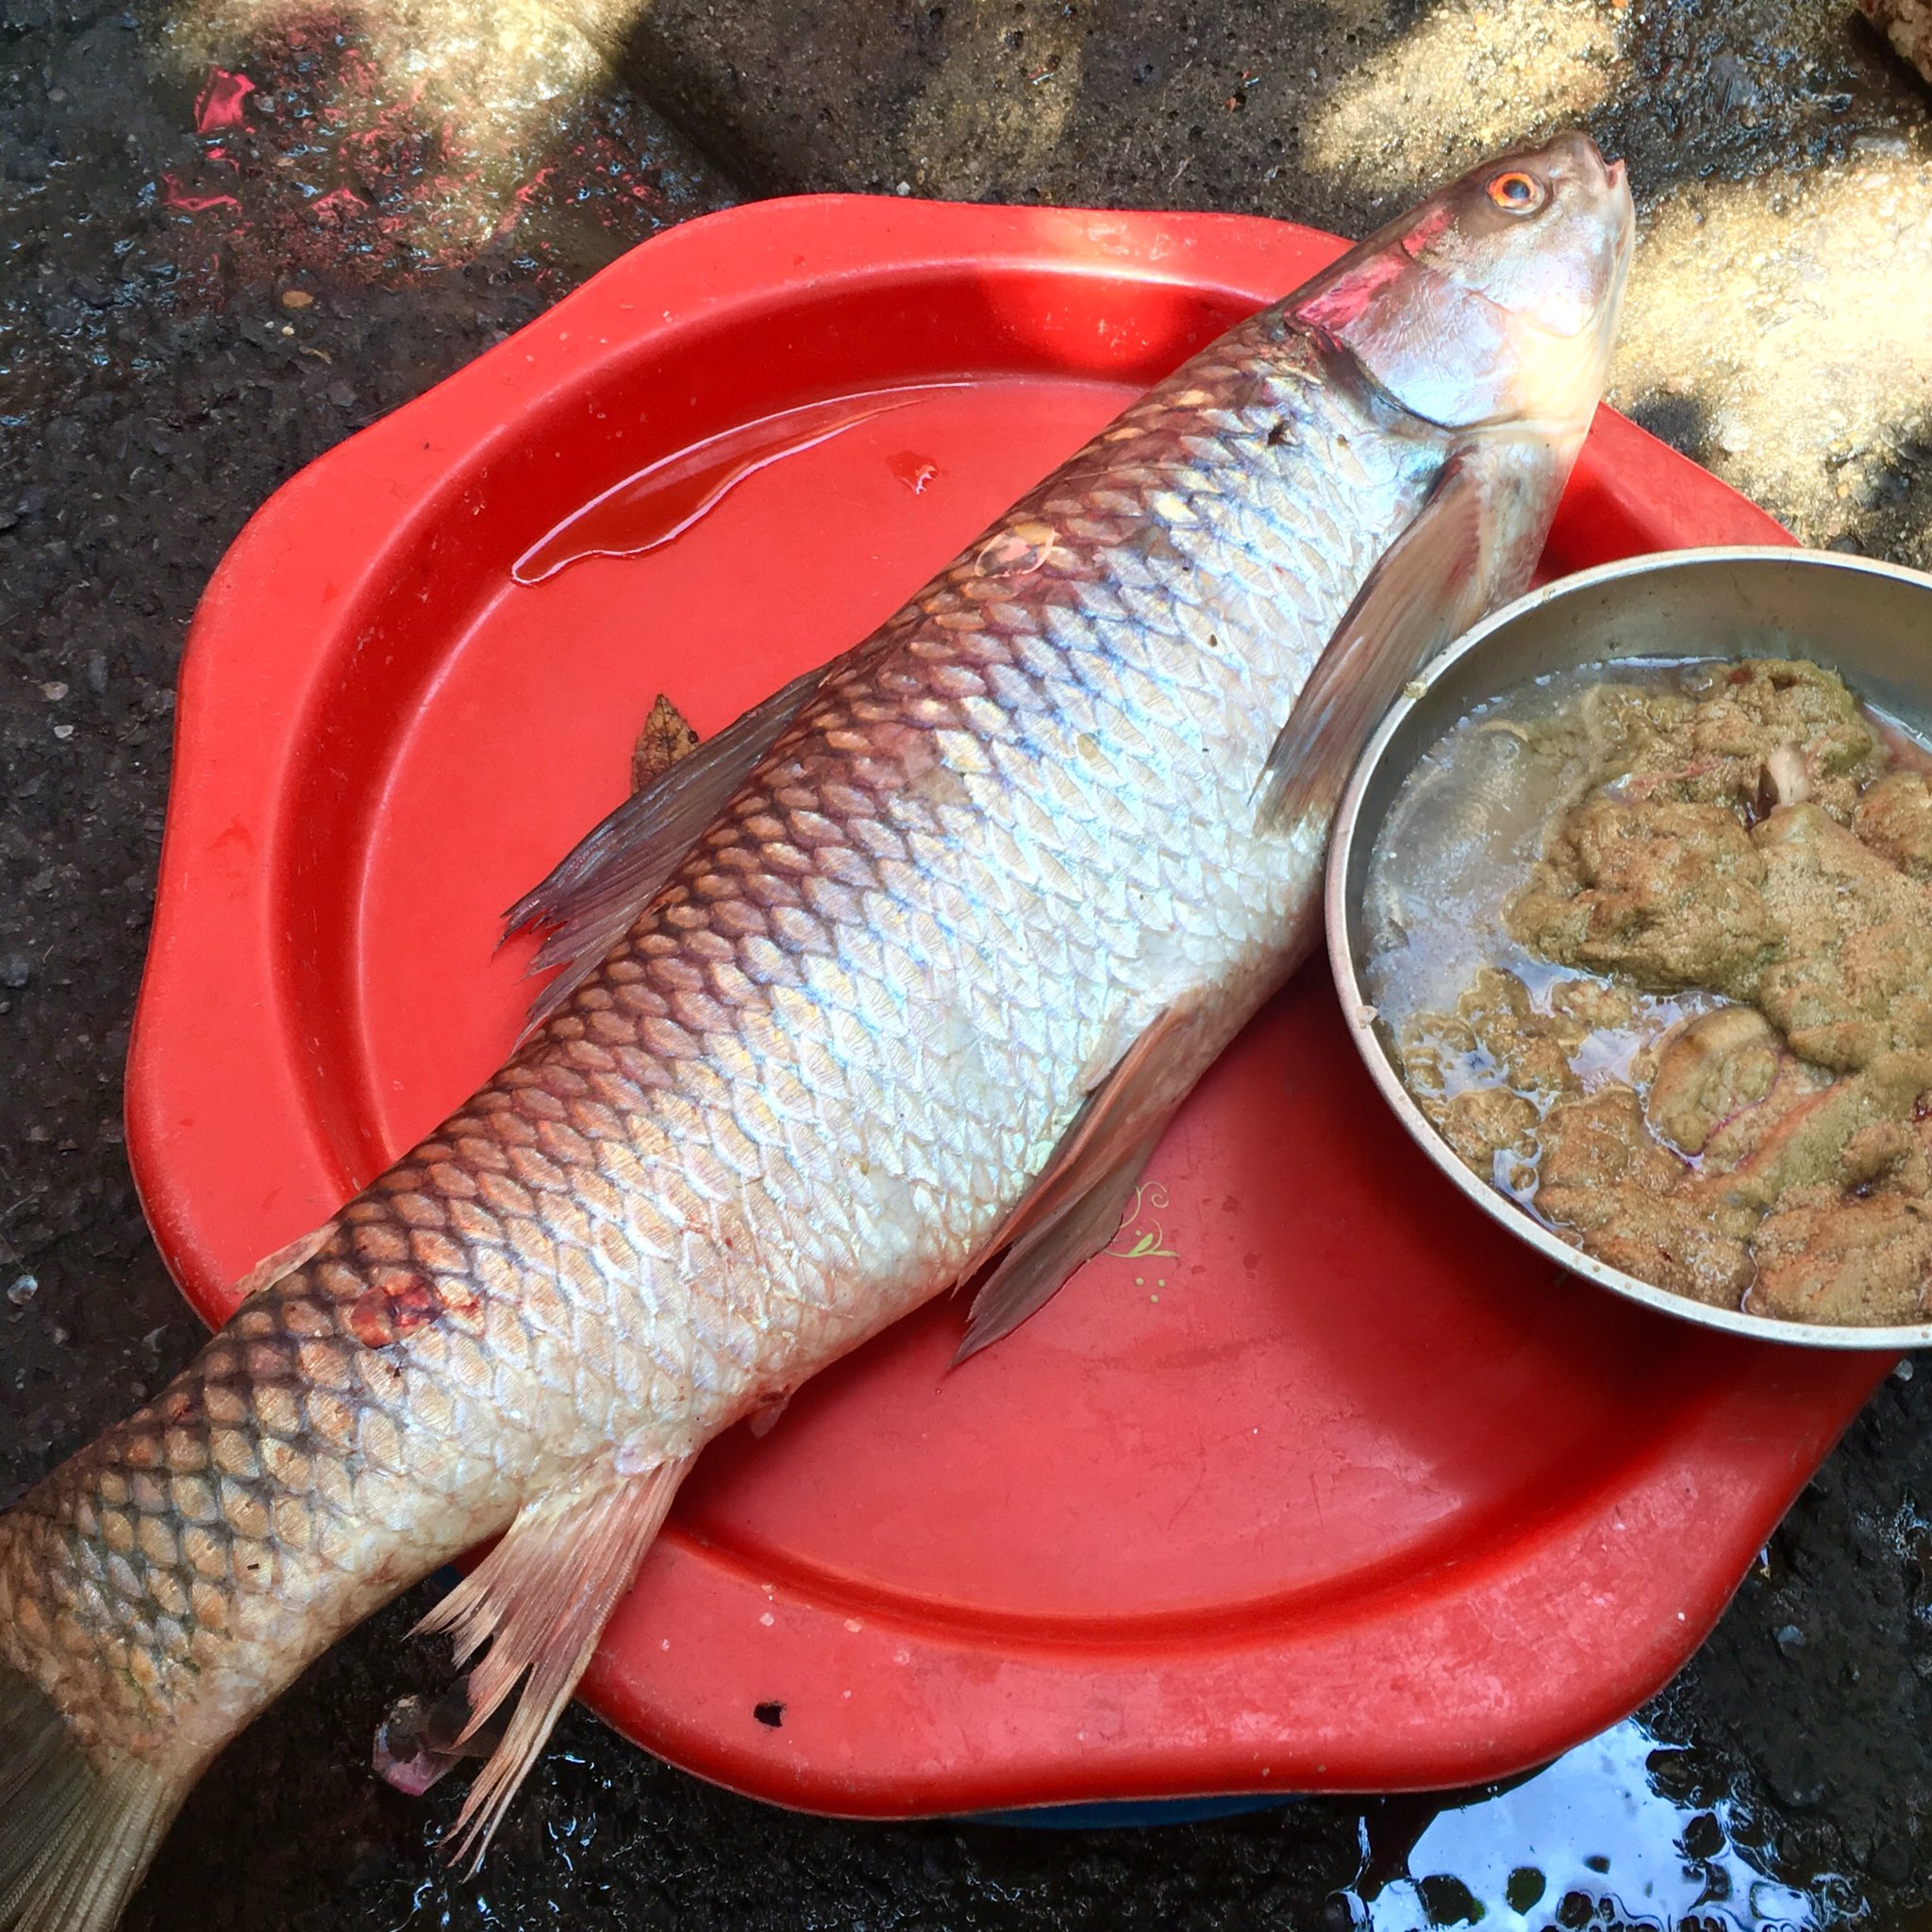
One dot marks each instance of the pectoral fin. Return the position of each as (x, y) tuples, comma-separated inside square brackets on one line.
[(1035, 1267), (1073, 1207), (540, 1600), (1426, 589), (592, 897)]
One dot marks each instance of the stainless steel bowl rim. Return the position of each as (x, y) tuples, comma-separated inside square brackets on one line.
[(1359, 1015)]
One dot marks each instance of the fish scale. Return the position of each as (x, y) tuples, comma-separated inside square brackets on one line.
[(999, 847)]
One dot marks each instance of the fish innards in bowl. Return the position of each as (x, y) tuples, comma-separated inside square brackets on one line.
[(1649, 944)]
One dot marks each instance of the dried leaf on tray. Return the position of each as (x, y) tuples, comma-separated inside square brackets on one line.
[(665, 739)]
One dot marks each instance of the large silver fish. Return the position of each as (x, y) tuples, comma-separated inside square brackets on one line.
[(897, 979)]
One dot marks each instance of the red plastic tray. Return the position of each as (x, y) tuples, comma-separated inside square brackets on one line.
[(1330, 1486)]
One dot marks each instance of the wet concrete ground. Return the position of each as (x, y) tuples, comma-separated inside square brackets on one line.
[(230, 233)]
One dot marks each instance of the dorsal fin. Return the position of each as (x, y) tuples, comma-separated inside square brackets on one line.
[(589, 900)]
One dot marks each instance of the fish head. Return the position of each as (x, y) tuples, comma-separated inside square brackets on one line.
[(1494, 302)]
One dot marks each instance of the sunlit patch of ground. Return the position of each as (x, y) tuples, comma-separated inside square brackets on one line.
[(1776, 326), (999, 105), (1779, 324), (1468, 78), (392, 135), (1793, 312)]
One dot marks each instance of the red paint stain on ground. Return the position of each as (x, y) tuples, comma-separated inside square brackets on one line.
[(219, 104), (316, 160)]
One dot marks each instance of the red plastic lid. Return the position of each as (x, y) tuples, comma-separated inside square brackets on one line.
[(1316, 1480)]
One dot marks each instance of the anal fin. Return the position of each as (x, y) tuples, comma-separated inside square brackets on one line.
[(1075, 1206), (540, 1600), (1426, 589)]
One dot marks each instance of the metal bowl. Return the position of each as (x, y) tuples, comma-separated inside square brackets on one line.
[(1871, 622)]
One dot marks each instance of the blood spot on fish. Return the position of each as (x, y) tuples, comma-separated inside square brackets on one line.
[(183, 1406), (771, 1714), (393, 1309), (462, 1308)]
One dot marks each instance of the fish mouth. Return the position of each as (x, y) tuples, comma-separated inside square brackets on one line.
[(1617, 184), (1615, 175), (1583, 157)]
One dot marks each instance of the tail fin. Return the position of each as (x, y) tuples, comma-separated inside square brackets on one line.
[(75, 1838)]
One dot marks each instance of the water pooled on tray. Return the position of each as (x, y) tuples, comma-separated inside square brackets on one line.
[(660, 501)]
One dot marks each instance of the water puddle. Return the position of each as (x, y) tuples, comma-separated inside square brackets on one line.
[(665, 499), (1624, 1830)]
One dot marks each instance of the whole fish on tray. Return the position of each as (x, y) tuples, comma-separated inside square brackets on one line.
[(893, 984)]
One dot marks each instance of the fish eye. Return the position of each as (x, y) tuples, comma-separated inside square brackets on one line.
[(1517, 193)]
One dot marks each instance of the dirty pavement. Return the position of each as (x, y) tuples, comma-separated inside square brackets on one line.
[(235, 230)]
